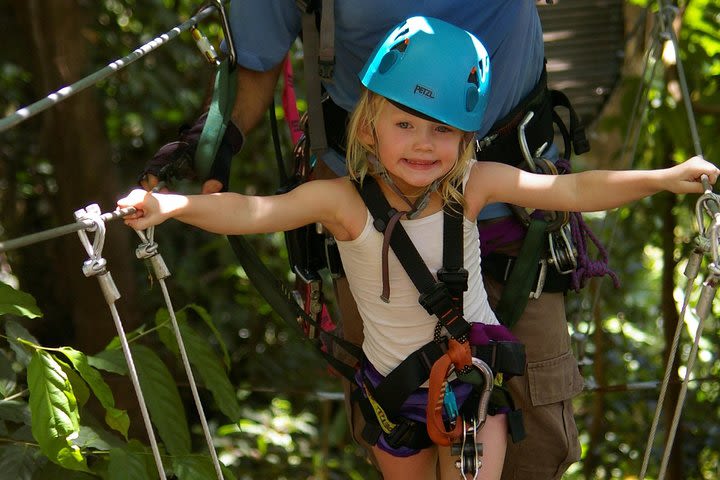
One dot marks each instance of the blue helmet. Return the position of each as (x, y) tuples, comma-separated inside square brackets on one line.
[(434, 68)]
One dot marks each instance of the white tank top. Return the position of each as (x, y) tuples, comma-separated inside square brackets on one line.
[(395, 330)]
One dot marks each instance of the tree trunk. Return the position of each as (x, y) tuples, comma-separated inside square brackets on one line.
[(72, 138)]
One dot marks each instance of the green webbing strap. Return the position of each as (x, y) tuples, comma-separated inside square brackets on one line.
[(217, 118), (516, 291)]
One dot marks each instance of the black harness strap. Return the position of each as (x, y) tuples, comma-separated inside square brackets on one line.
[(434, 296), (501, 145), (576, 134), (453, 273), (505, 357)]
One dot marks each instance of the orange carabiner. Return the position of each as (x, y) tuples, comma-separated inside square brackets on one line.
[(457, 358)]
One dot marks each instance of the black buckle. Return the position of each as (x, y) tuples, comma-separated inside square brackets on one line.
[(436, 296), (456, 280), (326, 68), (404, 433)]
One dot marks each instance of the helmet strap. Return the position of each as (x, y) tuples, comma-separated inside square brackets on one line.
[(415, 207)]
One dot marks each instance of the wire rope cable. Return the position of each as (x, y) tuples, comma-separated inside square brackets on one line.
[(66, 92), (148, 250), (97, 266)]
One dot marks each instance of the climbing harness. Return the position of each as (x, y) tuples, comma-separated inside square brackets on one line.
[(381, 403), (521, 139)]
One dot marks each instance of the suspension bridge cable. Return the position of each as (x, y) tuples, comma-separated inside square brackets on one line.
[(669, 14), (96, 266), (148, 250), (666, 15), (82, 224), (66, 92)]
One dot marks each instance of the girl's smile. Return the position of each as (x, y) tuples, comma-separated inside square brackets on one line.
[(414, 151)]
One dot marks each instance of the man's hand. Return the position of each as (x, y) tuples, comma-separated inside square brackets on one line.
[(176, 159)]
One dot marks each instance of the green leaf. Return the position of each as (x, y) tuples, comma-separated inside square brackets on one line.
[(55, 418), (79, 387), (162, 317), (115, 342), (202, 357), (115, 418), (97, 438), (163, 400), (165, 330), (202, 313), (132, 463), (52, 471), (197, 467), (19, 462), (109, 360), (8, 377), (15, 411), (208, 367), (16, 302), (14, 330)]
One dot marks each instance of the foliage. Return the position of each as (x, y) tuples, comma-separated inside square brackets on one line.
[(269, 401), (625, 336), (51, 396)]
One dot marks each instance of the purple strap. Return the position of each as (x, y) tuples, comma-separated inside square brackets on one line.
[(510, 229)]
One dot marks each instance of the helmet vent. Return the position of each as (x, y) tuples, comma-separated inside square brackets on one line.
[(401, 46), (402, 33), (388, 61), (392, 56), (473, 77), (471, 98)]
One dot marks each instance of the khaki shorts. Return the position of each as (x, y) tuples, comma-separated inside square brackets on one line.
[(545, 392)]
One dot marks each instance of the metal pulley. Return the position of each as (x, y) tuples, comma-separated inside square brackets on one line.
[(469, 449)]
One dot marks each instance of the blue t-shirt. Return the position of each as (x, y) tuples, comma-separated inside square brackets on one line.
[(264, 30)]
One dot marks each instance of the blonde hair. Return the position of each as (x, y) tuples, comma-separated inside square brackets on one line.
[(364, 118)]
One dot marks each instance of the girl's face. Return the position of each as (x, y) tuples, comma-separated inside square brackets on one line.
[(414, 151)]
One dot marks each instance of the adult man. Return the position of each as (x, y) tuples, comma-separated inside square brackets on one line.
[(263, 32)]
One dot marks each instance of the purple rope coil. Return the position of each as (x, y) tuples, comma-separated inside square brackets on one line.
[(581, 233)]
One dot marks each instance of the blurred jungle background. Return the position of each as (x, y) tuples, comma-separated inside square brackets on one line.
[(273, 408)]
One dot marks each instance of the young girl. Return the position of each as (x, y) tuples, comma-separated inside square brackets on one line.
[(425, 90)]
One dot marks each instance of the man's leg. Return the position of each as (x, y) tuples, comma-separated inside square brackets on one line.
[(545, 392)]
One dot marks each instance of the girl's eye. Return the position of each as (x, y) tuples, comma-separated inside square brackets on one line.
[(443, 129), (403, 124)]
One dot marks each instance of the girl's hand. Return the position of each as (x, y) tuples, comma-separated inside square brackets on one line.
[(147, 206), (685, 177)]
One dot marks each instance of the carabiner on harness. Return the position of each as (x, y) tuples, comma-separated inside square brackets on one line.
[(562, 251), (469, 449)]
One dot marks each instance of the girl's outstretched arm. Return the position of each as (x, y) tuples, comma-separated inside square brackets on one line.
[(592, 190), (235, 214)]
